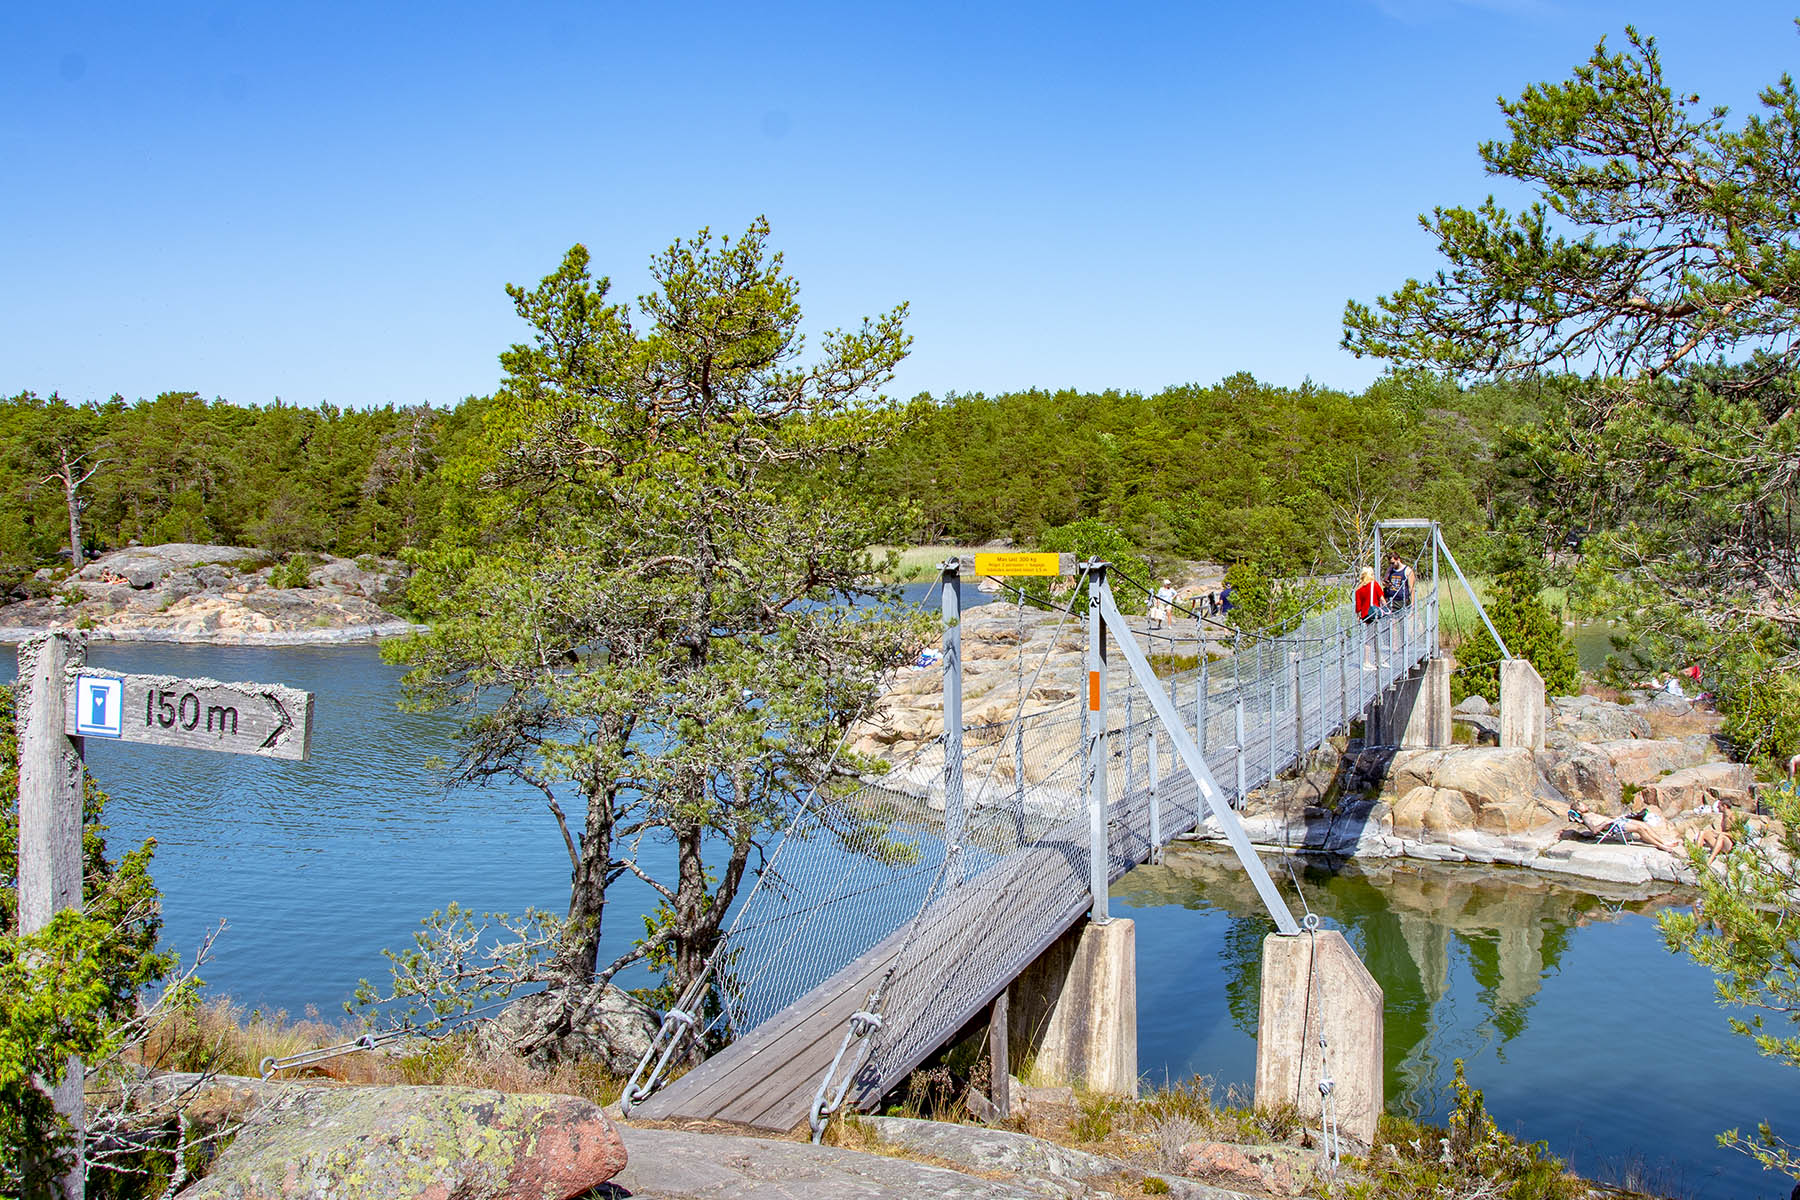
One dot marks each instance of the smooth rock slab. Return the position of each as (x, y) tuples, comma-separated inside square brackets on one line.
[(434, 1143), (674, 1164), (1691, 787), (1029, 1158)]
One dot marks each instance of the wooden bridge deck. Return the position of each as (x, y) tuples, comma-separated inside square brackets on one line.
[(1010, 915)]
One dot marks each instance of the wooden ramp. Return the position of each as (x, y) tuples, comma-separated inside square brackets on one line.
[(1009, 914)]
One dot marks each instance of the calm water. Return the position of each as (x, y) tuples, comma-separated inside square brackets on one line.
[(1581, 1029)]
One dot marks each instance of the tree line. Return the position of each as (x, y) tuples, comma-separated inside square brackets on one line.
[(179, 468), (1237, 470)]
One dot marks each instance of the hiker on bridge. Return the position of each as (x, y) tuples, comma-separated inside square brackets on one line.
[(1398, 584), (1368, 599)]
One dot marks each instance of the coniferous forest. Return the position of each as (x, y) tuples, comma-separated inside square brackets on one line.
[(1234, 470)]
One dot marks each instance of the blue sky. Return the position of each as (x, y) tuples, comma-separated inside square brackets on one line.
[(323, 201)]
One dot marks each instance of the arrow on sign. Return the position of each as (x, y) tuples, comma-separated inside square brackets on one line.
[(281, 715)]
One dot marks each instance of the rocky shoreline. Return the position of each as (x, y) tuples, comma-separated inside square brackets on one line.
[(189, 594)]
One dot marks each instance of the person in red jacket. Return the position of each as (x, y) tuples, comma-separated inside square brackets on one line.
[(1368, 606), (1369, 595)]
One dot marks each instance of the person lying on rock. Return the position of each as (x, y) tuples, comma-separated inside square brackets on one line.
[(1624, 827)]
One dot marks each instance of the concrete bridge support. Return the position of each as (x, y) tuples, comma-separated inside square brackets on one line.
[(1521, 704), (1415, 711), (1075, 1009), (1314, 987)]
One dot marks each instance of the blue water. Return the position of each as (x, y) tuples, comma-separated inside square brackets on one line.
[(1581, 1029), (1578, 1025)]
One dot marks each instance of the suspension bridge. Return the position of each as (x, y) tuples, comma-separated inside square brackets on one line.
[(889, 919)]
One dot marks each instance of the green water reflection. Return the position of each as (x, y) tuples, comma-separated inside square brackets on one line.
[(1406, 921)]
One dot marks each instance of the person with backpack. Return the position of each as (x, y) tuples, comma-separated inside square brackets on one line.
[(1398, 584)]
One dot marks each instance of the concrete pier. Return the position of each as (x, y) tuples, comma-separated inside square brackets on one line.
[(1417, 712), (1521, 704), (1314, 986), (1075, 1009)]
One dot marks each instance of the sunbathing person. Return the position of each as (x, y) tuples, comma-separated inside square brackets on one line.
[(1716, 839), (1624, 827)]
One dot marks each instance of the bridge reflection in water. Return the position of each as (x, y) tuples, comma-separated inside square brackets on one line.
[(1415, 926)]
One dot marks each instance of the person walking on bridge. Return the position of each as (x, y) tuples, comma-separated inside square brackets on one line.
[(1398, 584), (1368, 598)]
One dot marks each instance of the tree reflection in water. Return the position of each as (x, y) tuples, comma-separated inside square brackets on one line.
[(1407, 920)]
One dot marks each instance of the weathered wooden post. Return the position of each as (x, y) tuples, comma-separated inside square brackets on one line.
[(999, 1055), (50, 786), (60, 704)]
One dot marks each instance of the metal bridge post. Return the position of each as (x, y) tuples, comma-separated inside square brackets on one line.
[(1156, 840), (1274, 691), (953, 717), (1237, 708), (1130, 738), (1319, 686), (1299, 711), (1343, 657), (1202, 701), (1099, 855)]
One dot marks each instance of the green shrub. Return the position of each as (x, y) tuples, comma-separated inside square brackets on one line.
[(1530, 630), (1759, 710), (1470, 1159), (294, 573), (1092, 539)]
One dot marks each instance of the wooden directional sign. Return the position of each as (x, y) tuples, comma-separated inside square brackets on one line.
[(200, 714)]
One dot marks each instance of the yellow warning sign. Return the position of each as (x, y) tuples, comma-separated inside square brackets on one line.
[(1018, 564)]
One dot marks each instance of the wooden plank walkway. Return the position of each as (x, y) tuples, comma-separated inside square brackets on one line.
[(1008, 915), (969, 945)]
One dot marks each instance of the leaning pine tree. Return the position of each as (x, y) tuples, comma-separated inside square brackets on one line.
[(1656, 278), (646, 610)]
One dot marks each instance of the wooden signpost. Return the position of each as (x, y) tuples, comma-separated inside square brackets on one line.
[(59, 704), (266, 719)]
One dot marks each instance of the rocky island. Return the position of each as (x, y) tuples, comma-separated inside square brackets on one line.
[(214, 595)]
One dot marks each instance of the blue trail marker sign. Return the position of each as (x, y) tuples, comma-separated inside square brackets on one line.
[(265, 719)]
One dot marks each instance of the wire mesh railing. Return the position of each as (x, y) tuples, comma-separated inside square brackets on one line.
[(945, 902)]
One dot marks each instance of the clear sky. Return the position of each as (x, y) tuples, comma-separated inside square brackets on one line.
[(322, 201)]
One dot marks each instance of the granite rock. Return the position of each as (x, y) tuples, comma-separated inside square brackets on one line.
[(434, 1143)]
